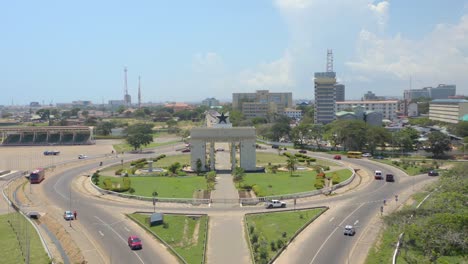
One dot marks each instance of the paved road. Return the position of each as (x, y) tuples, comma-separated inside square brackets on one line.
[(106, 225)]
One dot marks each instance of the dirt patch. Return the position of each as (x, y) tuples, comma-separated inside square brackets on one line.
[(67, 242), (246, 194), (195, 233)]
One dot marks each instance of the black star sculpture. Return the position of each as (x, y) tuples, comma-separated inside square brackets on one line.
[(222, 118)]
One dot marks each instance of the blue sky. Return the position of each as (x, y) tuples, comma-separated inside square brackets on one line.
[(59, 51)]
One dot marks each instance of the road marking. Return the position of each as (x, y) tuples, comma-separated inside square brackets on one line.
[(329, 236), (123, 239), (331, 219), (101, 233), (357, 221), (126, 229)]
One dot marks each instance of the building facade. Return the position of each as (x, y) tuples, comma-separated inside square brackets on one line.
[(448, 110), (339, 92), (261, 103), (442, 91), (293, 113), (388, 108), (210, 102), (325, 97)]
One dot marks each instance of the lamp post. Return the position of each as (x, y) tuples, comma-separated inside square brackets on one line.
[(69, 198)]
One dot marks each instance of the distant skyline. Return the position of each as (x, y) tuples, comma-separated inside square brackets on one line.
[(186, 51)]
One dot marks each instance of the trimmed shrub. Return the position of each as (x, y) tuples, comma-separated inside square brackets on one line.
[(119, 171)]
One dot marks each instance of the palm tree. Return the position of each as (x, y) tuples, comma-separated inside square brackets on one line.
[(291, 163)]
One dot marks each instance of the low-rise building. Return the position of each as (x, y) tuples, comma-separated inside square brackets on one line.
[(388, 108), (448, 110), (293, 113)]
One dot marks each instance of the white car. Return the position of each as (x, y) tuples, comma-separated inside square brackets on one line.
[(68, 215), (275, 204), (349, 230), (81, 156), (367, 155)]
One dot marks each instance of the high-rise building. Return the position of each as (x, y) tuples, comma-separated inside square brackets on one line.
[(339, 92), (442, 91), (325, 97), (261, 103)]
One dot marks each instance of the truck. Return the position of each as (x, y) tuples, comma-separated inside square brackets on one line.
[(37, 176), (275, 204)]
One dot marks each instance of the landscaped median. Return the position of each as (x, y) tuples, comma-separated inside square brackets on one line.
[(268, 234), (185, 235)]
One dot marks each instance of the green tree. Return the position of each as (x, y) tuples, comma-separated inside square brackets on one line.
[(461, 129), (238, 175), (439, 143), (139, 139), (376, 137), (300, 134), (104, 128), (291, 163), (174, 167), (199, 167)]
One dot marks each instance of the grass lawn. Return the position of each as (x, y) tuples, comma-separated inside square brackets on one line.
[(382, 251), (169, 160), (184, 234), (282, 182), (276, 228), (126, 147), (167, 187), (10, 252), (264, 158)]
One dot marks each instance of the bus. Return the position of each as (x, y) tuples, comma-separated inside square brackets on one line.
[(37, 176), (354, 154)]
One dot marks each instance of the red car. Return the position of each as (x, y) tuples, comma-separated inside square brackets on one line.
[(134, 242), (337, 157)]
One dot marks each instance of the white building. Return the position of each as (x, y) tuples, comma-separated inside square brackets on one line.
[(293, 113), (448, 110), (210, 102), (388, 108)]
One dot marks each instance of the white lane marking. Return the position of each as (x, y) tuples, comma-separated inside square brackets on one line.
[(101, 233), (128, 230), (329, 236), (331, 219), (123, 239), (357, 221), (55, 188)]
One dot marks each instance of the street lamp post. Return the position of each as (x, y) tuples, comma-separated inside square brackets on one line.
[(70, 204)]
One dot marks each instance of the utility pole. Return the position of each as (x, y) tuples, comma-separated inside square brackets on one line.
[(70, 205)]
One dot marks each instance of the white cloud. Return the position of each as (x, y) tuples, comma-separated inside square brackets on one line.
[(440, 57), (380, 10), (270, 75), (293, 4), (208, 61)]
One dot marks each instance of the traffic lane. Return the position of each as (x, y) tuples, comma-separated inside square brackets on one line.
[(336, 248), (311, 242)]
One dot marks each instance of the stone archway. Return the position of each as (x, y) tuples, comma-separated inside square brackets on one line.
[(245, 136)]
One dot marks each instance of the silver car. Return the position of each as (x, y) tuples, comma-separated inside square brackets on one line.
[(349, 230)]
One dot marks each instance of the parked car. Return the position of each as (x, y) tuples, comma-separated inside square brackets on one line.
[(68, 215), (389, 177), (367, 155), (337, 157), (275, 204), (186, 150), (134, 242), (220, 149), (349, 230), (302, 151), (275, 146), (379, 157), (433, 173), (82, 156)]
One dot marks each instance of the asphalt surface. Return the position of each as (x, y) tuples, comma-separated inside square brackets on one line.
[(108, 228)]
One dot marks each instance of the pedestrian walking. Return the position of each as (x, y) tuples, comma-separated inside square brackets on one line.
[(74, 214), (396, 197), (384, 202)]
